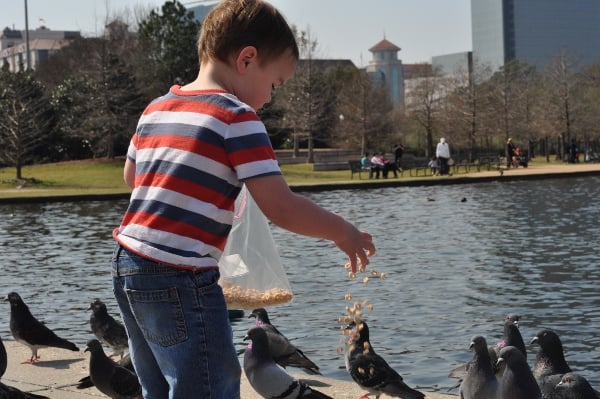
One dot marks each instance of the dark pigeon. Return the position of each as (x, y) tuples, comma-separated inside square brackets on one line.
[(511, 335), (550, 363), (283, 351), (266, 377), (480, 382), (27, 330), (111, 379), (517, 379), (108, 330), (370, 371), (86, 382), (8, 392), (574, 386), (3, 358)]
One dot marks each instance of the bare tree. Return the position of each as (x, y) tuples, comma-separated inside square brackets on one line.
[(560, 79), (26, 120)]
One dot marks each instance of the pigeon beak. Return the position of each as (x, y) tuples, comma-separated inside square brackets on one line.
[(534, 340), (516, 323), (500, 362), (471, 345), (246, 338), (86, 350), (252, 315)]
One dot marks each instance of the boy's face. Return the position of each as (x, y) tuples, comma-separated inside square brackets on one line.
[(260, 80)]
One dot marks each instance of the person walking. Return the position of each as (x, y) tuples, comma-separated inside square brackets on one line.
[(442, 152)]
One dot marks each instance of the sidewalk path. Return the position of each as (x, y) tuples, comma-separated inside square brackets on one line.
[(58, 371)]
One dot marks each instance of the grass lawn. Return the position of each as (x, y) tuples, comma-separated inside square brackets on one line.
[(102, 176)]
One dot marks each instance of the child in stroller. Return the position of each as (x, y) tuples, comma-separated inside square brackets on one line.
[(520, 158)]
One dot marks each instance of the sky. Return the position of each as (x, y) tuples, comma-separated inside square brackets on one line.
[(343, 29)]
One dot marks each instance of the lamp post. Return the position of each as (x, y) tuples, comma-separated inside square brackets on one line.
[(27, 55)]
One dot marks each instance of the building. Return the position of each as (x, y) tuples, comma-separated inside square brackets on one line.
[(455, 64), (43, 42), (386, 69), (534, 31)]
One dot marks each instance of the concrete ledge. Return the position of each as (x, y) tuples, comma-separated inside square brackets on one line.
[(58, 371)]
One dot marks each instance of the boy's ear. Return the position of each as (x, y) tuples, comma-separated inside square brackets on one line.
[(245, 57)]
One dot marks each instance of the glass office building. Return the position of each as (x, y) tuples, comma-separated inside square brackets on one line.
[(535, 31)]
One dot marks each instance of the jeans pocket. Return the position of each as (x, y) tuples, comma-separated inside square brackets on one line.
[(159, 315)]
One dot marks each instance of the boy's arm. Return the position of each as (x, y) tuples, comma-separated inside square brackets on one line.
[(300, 215), (129, 173)]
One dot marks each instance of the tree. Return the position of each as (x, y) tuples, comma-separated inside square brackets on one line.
[(167, 48), (26, 120), (560, 79)]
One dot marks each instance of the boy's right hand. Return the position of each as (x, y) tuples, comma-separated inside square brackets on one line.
[(359, 246)]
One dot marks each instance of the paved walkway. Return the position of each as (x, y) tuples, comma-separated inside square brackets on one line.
[(58, 371)]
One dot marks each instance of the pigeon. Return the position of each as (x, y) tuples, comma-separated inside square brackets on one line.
[(517, 379), (3, 358), (111, 379), (574, 386), (27, 330), (283, 351), (267, 378), (8, 392), (370, 371), (86, 382), (108, 330), (480, 382), (550, 363), (512, 336)]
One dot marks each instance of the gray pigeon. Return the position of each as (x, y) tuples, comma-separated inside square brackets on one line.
[(370, 371), (8, 392), (574, 386), (108, 330), (27, 330), (3, 358), (111, 379), (480, 381), (283, 351), (267, 378), (550, 363), (517, 379), (125, 361), (511, 335)]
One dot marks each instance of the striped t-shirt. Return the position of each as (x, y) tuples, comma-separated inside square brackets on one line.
[(192, 151)]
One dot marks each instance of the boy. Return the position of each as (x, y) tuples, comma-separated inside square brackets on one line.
[(192, 150)]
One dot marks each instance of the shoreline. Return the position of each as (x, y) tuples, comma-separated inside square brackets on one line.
[(503, 175), (57, 372)]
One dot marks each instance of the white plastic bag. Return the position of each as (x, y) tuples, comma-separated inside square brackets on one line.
[(252, 274)]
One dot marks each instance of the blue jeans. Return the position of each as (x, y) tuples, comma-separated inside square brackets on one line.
[(180, 339)]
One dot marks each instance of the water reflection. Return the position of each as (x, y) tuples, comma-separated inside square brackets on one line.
[(455, 269)]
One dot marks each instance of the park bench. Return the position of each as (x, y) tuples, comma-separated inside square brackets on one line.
[(357, 167)]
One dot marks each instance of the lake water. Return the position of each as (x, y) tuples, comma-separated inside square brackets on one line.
[(455, 268)]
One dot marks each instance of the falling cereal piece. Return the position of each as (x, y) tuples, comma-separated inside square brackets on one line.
[(366, 302), (348, 297), (370, 307), (362, 269), (352, 275), (374, 273), (357, 305), (348, 266), (383, 276), (339, 349), (366, 280)]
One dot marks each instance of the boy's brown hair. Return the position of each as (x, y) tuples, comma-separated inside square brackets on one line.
[(234, 24)]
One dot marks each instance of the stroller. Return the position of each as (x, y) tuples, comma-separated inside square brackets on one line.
[(520, 158)]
